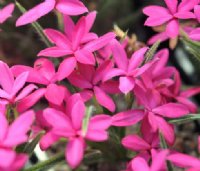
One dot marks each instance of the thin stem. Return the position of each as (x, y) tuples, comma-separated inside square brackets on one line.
[(47, 164), (164, 146)]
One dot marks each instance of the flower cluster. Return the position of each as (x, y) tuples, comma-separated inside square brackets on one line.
[(81, 78), (174, 20)]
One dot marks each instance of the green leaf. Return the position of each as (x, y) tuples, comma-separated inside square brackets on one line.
[(38, 28), (86, 119), (193, 47), (29, 148), (150, 53), (187, 118)]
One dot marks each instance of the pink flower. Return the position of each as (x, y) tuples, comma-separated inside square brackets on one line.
[(77, 43), (128, 69), (159, 15), (90, 80), (8, 140), (44, 73), (6, 12), (157, 164), (147, 143), (70, 125), (155, 111), (68, 7), (13, 90)]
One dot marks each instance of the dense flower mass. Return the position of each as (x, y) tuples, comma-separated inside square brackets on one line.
[(72, 92)]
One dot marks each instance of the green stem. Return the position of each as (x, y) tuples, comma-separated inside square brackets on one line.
[(38, 28), (164, 146), (47, 164), (60, 20)]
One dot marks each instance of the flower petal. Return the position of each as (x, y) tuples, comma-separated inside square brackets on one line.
[(74, 152), (36, 12)]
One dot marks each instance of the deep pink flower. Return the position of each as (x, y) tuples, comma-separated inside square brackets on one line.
[(44, 73), (13, 90), (6, 12), (128, 69), (90, 80), (157, 164), (68, 7), (8, 140), (77, 43), (70, 125), (158, 15), (155, 111)]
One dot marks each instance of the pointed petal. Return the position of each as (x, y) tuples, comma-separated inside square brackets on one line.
[(154, 10), (166, 129), (172, 5), (186, 5), (97, 135), (104, 99), (135, 143), (128, 118), (54, 52), (68, 26), (185, 15), (74, 152), (66, 68), (114, 72), (137, 59), (78, 32), (6, 12), (19, 83), (58, 38), (77, 114), (119, 55), (19, 129), (90, 19), (26, 91), (100, 42), (27, 102), (7, 80), (157, 20), (101, 71), (171, 110), (172, 28), (71, 7), (36, 12), (183, 160), (62, 121), (100, 122)]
